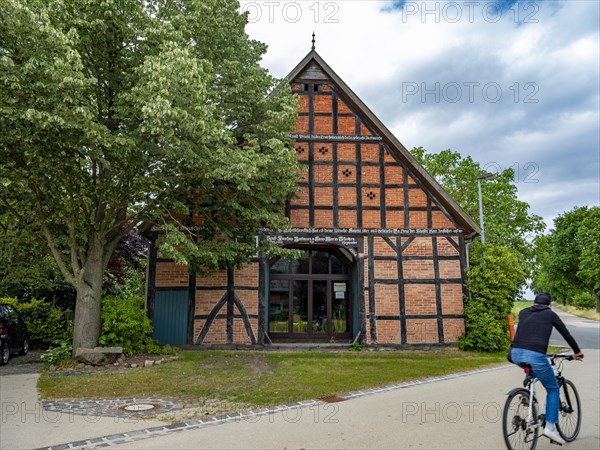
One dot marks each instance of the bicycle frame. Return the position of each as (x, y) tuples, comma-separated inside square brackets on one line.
[(529, 384), (530, 424)]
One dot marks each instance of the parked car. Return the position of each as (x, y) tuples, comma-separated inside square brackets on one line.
[(13, 334)]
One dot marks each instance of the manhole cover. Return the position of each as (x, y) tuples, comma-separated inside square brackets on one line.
[(332, 399), (137, 407)]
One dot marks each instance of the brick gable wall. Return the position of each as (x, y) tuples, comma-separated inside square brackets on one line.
[(352, 178)]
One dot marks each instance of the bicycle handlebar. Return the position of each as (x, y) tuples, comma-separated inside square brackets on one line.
[(553, 356)]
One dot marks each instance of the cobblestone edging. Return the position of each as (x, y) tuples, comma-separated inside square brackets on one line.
[(111, 408), (131, 436)]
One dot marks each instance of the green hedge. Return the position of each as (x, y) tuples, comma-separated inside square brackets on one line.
[(45, 322), (585, 300), (493, 284)]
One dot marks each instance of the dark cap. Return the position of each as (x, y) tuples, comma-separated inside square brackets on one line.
[(542, 299)]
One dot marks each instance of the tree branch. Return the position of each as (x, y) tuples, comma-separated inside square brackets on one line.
[(71, 278)]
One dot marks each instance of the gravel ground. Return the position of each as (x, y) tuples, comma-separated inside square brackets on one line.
[(30, 363)]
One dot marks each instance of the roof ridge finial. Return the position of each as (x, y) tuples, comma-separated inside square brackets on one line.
[(313, 41)]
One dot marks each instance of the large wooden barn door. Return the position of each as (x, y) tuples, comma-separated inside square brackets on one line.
[(171, 317)]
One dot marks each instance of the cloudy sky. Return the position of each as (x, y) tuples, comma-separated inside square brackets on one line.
[(511, 83)]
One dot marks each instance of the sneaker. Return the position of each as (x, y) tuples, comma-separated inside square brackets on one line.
[(554, 436)]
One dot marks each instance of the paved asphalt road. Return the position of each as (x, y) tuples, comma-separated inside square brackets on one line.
[(586, 332), (458, 413), (461, 413)]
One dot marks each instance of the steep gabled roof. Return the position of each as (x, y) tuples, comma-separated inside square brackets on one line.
[(314, 68)]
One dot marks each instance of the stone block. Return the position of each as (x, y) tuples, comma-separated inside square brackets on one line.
[(98, 356)]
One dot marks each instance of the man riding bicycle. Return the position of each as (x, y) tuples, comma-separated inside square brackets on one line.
[(530, 346)]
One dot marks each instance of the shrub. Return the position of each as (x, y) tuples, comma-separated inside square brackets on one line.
[(57, 354), (125, 324), (45, 322), (584, 300), (355, 347), (493, 284)]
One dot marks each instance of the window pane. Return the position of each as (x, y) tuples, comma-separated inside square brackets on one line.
[(341, 307), (319, 320), (337, 266), (300, 313), (280, 266), (320, 263), (279, 299), (300, 265)]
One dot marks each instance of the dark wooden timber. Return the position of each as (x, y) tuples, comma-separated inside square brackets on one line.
[(438, 291), (245, 318), (211, 317), (262, 297), (151, 278), (191, 306), (372, 307), (230, 301), (401, 295)]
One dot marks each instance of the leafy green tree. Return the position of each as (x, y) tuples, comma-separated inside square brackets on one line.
[(493, 282), (589, 260), (569, 256), (493, 285), (27, 270), (114, 113), (508, 220)]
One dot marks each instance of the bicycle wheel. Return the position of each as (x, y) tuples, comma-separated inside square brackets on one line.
[(569, 412), (518, 434)]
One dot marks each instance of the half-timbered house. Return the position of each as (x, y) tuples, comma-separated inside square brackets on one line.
[(384, 245)]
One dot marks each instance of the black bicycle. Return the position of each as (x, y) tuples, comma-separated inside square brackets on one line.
[(521, 423)]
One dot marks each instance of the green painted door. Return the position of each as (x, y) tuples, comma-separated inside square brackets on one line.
[(170, 317)]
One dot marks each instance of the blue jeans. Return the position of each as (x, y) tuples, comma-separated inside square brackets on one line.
[(542, 370)]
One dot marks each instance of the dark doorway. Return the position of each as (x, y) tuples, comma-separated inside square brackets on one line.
[(310, 298)]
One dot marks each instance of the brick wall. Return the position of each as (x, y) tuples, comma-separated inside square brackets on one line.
[(421, 331), (388, 331), (339, 178), (420, 295), (348, 191), (246, 283), (169, 274)]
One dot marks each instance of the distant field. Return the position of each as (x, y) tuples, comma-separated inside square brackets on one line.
[(517, 307)]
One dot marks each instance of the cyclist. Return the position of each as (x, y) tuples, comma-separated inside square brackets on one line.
[(530, 346)]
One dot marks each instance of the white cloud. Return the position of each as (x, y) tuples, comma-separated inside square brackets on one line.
[(546, 64)]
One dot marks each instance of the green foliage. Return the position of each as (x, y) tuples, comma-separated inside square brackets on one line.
[(27, 270), (62, 352), (45, 322), (493, 283), (355, 347), (168, 350), (569, 256), (114, 114), (281, 315), (132, 283), (588, 234), (508, 220), (125, 324), (583, 300)]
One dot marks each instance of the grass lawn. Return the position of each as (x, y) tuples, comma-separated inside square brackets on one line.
[(255, 378)]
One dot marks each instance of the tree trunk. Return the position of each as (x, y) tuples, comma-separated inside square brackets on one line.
[(596, 295), (87, 323)]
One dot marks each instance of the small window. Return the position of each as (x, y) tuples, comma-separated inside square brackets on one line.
[(305, 88), (317, 88)]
